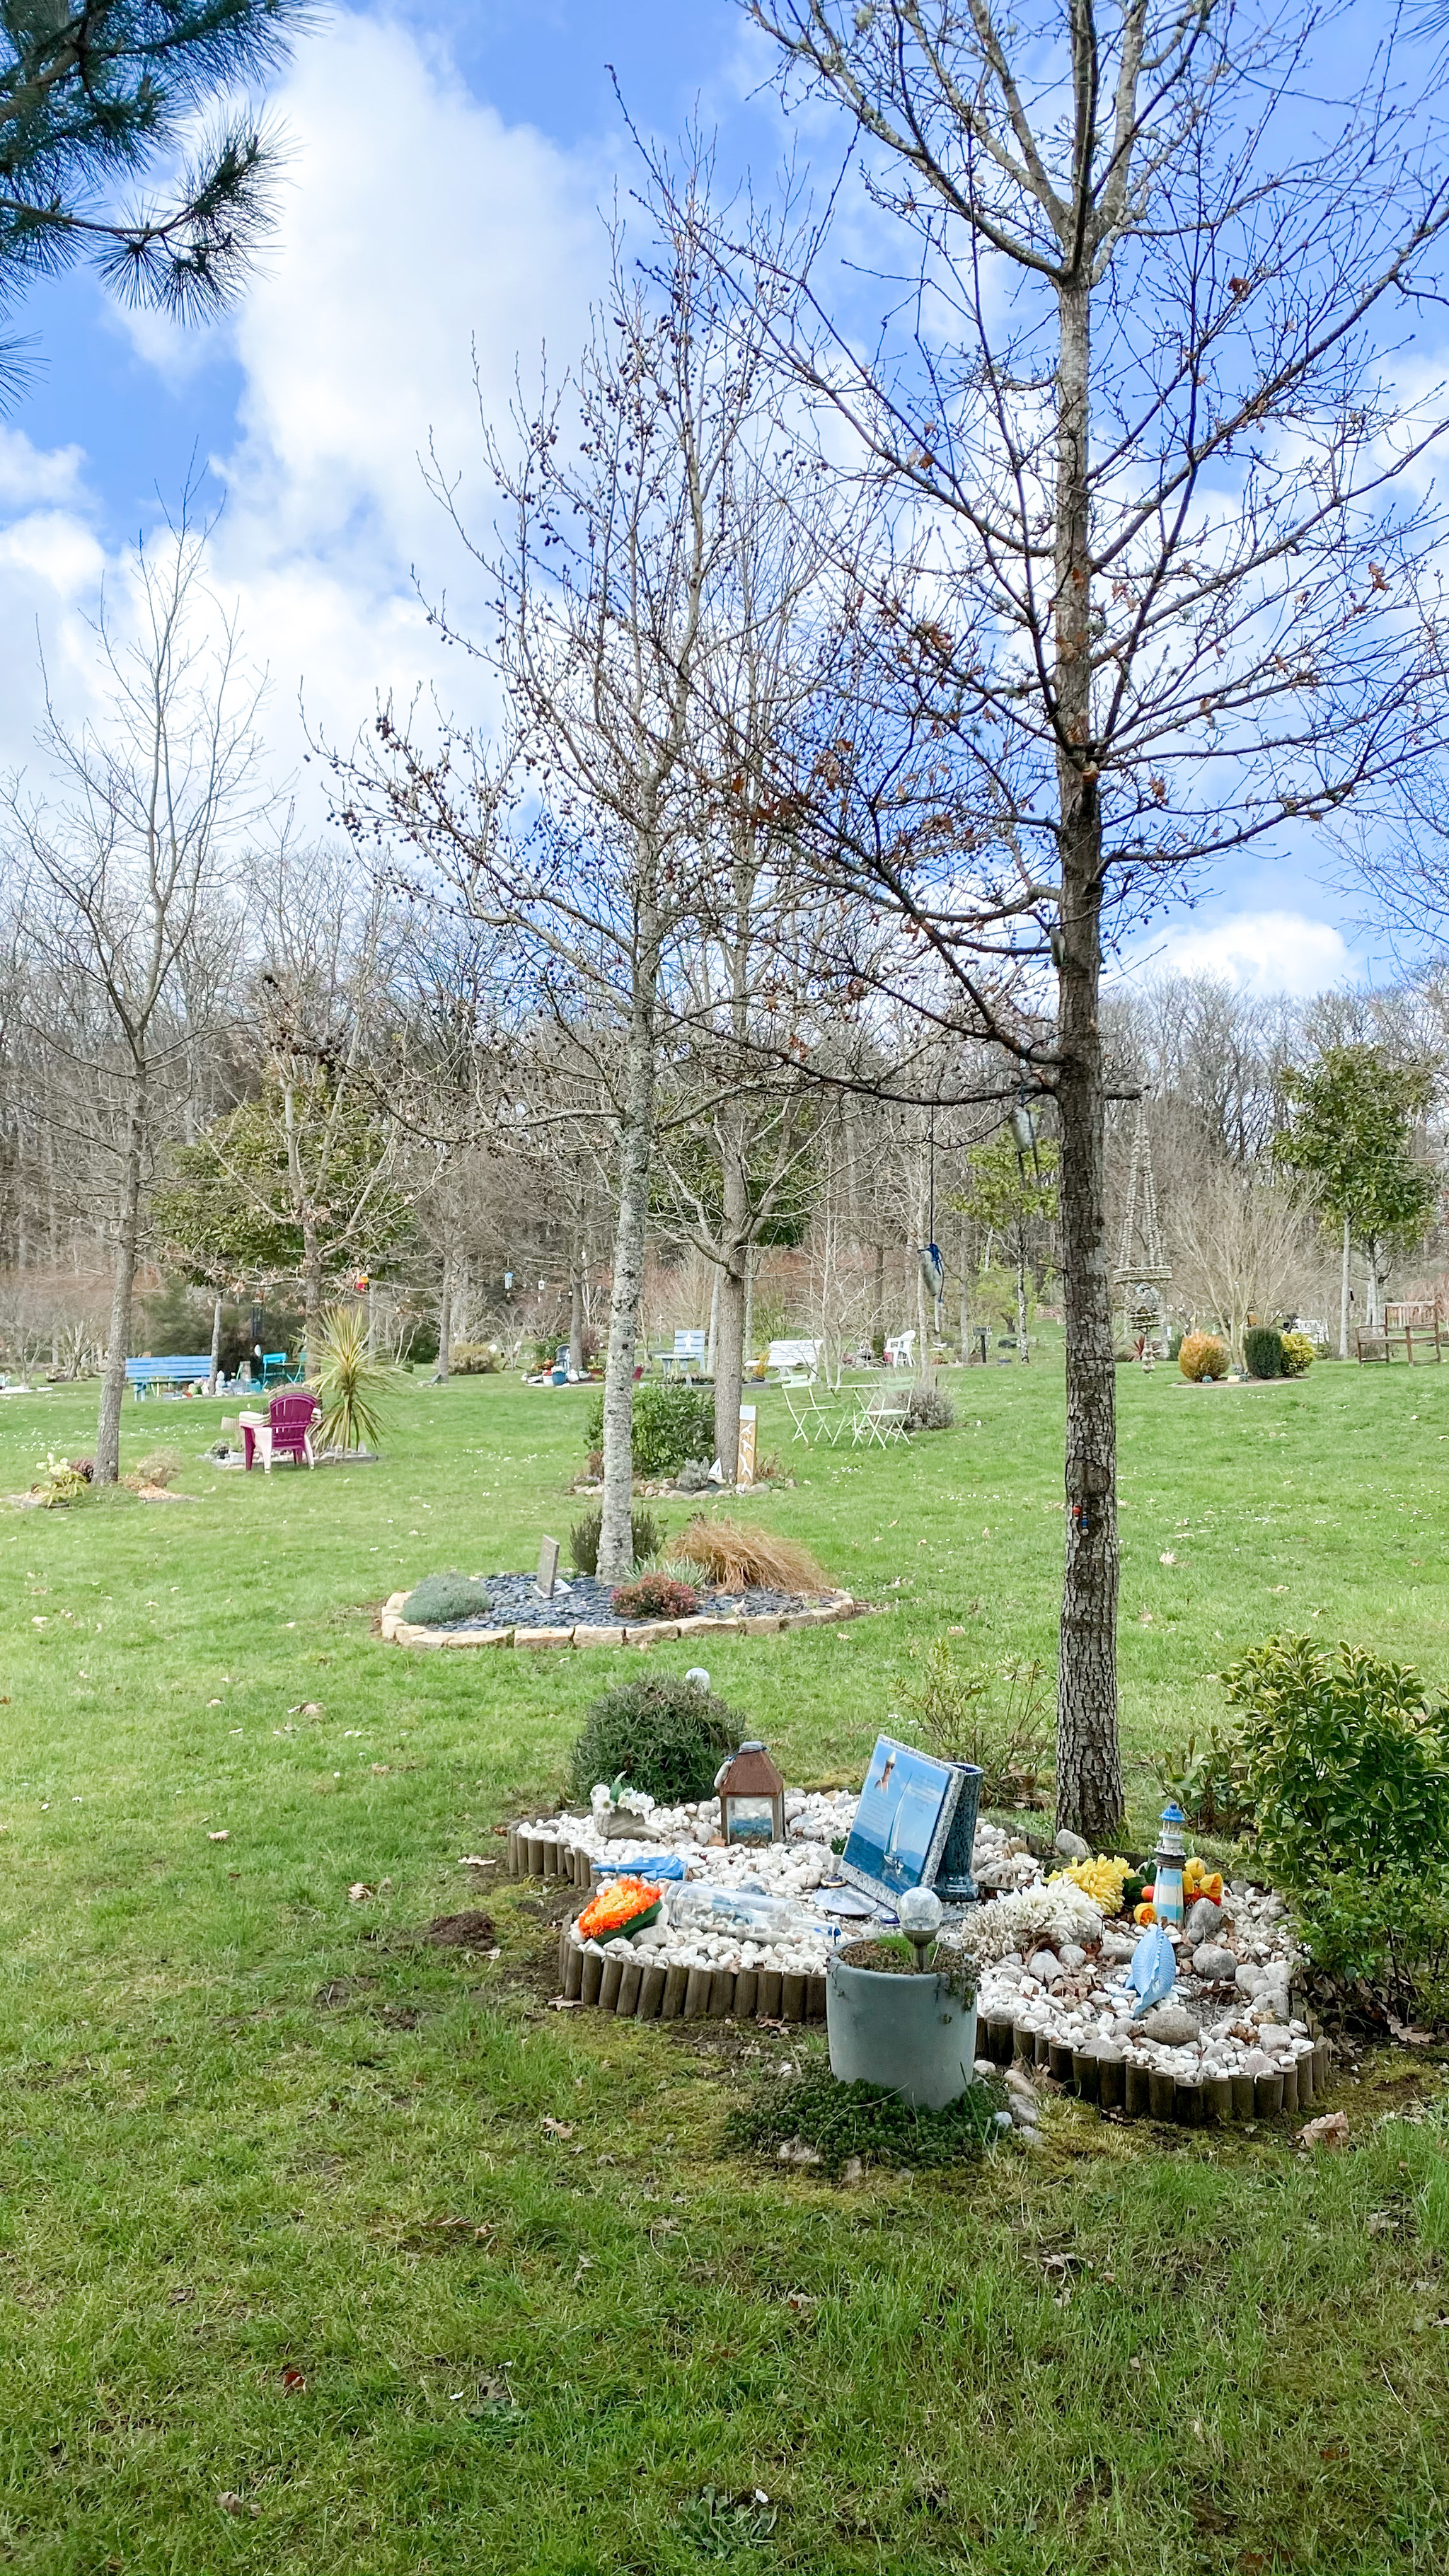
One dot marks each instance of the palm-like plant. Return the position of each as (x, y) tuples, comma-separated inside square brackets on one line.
[(351, 1383)]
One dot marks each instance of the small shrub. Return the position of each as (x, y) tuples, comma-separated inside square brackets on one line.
[(1388, 1935), (648, 1534), (655, 1596), (1263, 1350), (1201, 1356), (693, 1476), (993, 1715), (158, 1467), (472, 1359), (1298, 1354), (1211, 1784), (1345, 1765), (930, 1410), (672, 1423), (440, 1598), (661, 1734), (844, 2120), (63, 1482), (741, 1560)]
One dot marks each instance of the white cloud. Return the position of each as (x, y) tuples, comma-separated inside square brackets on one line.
[(418, 235), (1260, 952)]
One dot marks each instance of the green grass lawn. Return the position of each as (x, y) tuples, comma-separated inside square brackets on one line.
[(280, 2216)]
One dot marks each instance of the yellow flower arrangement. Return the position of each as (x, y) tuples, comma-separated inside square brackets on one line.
[(1102, 1878)]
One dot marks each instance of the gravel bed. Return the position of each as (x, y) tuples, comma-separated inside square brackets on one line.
[(588, 1603)]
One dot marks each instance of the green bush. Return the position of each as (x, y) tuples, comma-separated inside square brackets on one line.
[(441, 1597), (1344, 1764), (661, 1733), (929, 1410), (1298, 1354), (1387, 1934), (671, 1424), (1209, 1783), (1263, 1350), (472, 1359), (649, 1536)]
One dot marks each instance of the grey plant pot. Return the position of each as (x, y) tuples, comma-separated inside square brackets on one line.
[(912, 2035)]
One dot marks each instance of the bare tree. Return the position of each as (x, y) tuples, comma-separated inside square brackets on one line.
[(1155, 602), (123, 869)]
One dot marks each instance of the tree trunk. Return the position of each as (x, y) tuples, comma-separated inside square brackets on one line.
[(445, 1318), (750, 1306), (1343, 1296), (711, 1339), (215, 1371), (636, 1156), (881, 1326), (730, 1292), (311, 1289), (1089, 1771), (1023, 1341), (123, 1280), (576, 1323)]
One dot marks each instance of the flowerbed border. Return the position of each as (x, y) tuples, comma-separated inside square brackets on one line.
[(398, 1631)]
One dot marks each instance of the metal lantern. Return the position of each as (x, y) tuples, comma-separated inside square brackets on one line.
[(1170, 1855), (751, 1797)]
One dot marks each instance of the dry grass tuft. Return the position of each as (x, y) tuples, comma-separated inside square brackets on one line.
[(740, 1559)]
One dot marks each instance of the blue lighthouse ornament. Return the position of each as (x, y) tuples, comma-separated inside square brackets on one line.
[(1170, 1855)]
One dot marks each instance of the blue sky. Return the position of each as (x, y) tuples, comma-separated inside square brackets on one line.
[(447, 168)]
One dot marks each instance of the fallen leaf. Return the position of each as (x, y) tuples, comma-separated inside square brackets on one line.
[(292, 2380), (231, 2503), (358, 1893), (223, 1837), (213, 1703), (1167, 1557), (475, 1860), (311, 1708), (1329, 2131), (558, 2128), (1410, 2036)]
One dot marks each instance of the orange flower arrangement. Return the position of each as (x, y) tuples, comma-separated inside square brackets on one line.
[(624, 1905)]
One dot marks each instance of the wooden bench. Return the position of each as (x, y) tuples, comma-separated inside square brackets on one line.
[(1414, 1344), (183, 1370)]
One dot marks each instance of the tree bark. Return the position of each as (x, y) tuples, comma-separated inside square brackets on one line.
[(216, 1305), (1089, 1771), (636, 1157), (123, 1280), (576, 1323), (311, 1288), (731, 1277), (1023, 1339), (445, 1317), (1343, 1296)]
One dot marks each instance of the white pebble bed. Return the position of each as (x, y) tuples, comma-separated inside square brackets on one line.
[(1075, 1992)]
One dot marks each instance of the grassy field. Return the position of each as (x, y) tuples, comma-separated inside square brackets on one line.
[(281, 2219)]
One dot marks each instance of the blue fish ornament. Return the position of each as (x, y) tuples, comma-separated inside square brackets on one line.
[(1153, 1972)]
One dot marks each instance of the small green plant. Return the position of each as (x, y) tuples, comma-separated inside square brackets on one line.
[(1210, 1783), (930, 1410), (1263, 1350), (1298, 1354), (351, 1383), (661, 1734), (472, 1359), (1386, 1936), (839, 2121), (1345, 1765), (655, 1596), (1202, 1355), (649, 1536), (440, 1598), (994, 1715), (63, 1482), (672, 1424)]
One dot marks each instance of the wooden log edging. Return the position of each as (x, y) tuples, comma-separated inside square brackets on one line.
[(654, 1990), (395, 1630)]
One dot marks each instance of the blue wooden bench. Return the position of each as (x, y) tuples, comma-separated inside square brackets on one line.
[(174, 1371), (687, 1356)]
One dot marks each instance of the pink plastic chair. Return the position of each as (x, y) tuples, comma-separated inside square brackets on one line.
[(291, 1417)]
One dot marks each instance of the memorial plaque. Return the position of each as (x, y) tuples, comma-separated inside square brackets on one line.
[(548, 1567)]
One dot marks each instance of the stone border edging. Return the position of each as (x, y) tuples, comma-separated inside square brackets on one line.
[(1117, 2084), (618, 1981), (398, 1631)]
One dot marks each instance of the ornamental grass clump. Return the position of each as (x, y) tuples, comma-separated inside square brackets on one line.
[(1202, 1356), (746, 1560), (648, 1536), (660, 1734)]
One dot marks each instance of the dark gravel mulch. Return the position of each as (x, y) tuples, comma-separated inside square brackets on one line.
[(588, 1603)]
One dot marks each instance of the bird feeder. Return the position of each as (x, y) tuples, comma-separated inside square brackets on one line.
[(751, 1795), (1170, 1857)]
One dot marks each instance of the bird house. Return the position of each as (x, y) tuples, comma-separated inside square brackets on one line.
[(751, 1797)]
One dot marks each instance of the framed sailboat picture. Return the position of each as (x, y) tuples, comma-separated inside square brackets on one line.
[(903, 1822)]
